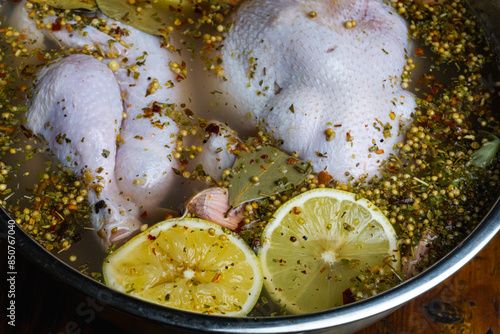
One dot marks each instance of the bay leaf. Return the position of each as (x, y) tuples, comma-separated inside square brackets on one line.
[(70, 4), (275, 171), (153, 18)]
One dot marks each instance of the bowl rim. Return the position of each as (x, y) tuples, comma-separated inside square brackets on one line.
[(173, 318)]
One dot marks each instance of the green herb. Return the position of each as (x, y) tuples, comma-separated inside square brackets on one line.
[(105, 153), (273, 170), (485, 155), (70, 4), (152, 17)]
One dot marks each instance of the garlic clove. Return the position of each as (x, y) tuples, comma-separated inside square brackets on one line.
[(213, 204)]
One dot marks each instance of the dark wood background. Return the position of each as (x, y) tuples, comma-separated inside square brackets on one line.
[(465, 303)]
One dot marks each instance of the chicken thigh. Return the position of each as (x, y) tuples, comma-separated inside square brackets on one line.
[(322, 76), (77, 108), (144, 158), (139, 148)]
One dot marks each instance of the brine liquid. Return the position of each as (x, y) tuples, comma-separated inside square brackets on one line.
[(89, 251)]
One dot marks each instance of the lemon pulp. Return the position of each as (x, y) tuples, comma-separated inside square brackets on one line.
[(317, 243), (190, 264)]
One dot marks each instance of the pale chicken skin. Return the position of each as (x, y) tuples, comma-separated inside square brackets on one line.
[(144, 159), (76, 107), (297, 74), (140, 163), (299, 71), (138, 174)]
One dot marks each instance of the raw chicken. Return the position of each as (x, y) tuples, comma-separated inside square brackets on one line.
[(417, 253), (216, 155), (77, 108), (17, 16), (144, 159), (140, 170), (297, 68)]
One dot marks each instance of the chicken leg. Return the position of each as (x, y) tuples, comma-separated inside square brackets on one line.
[(77, 108)]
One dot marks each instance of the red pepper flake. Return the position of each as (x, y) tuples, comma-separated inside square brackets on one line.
[(348, 297), (144, 215), (419, 51), (380, 152), (8, 129), (439, 136), (153, 250), (28, 71), (295, 210), (184, 163), (434, 90), (240, 225), (304, 272), (212, 128), (56, 214), (118, 31), (323, 269), (155, 107), (393, 170), (179, 77), (173, 9), (292, 161), (216, 278), (324, 177), (56, 26), (151, 238), (265, 156)]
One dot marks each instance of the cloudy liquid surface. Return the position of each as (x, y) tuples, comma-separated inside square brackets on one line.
[(89, 251)]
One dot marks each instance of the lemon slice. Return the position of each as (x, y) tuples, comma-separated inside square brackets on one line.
[(189, 264), (317, 243)]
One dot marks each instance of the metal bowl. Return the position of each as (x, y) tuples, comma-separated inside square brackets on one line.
[(137, 315)]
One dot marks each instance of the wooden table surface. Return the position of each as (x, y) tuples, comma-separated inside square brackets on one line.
[(465, 303)]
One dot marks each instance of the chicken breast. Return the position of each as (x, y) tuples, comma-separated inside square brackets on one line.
[(322, 76)]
